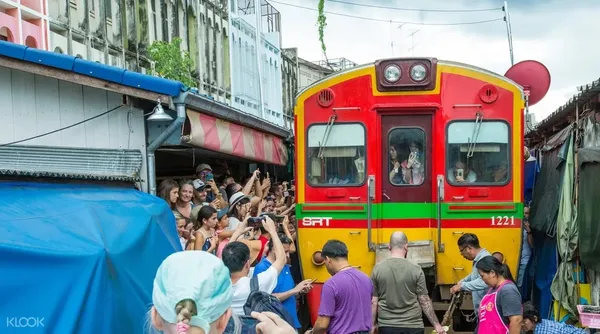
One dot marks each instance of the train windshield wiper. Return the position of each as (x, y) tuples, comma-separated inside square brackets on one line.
[(326, 136), (475, 136)]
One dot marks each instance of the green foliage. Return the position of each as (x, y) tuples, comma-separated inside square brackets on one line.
[(171, 62), (321, 24)]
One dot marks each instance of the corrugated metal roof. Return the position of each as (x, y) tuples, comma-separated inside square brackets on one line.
[(76, 163), (92, 69), (585, 92)]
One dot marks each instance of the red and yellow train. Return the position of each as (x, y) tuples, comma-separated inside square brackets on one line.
[(433, 148)]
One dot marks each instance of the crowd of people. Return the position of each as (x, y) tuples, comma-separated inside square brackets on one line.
[(238, 272), (249, 228)]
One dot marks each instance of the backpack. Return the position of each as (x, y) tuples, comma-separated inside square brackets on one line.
[(259, 301), (241, 324)]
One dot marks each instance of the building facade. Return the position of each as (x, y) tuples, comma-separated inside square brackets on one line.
[(255, 45), (299, 73), (119, 32), (24, 22), (229, 43), (289, 68), (309, 72)]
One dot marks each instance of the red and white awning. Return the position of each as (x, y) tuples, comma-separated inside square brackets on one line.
[(218, 135)]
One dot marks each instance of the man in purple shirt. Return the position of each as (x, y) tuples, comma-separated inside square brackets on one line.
[(346, 297)]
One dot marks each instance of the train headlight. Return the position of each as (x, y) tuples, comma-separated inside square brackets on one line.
[(406, 74), (418, 72), (392, 73)]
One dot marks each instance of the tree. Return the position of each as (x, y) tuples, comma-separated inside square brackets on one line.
[(171, 62)]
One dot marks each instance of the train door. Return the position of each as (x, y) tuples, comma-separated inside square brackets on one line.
[(406, 185)]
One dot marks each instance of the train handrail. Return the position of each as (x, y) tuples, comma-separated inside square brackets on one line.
[(370, 198), (440, 199)]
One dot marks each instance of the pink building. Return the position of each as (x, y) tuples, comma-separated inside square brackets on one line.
[(24, 22)]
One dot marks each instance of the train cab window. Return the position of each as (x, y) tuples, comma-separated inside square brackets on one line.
[(478, 153), (406, 156), (336, 154)]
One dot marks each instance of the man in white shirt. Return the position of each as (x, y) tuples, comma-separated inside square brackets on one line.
[(236, 257)]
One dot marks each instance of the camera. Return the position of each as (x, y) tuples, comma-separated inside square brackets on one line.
[(255, 221), (278, 220)]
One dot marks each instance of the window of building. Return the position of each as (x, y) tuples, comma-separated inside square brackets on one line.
[(406, 156), (478, 152), (336, 154)]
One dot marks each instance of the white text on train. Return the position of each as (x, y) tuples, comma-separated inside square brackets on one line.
[(316, 221)]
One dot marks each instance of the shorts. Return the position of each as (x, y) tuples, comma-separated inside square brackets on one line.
[(400, 330)]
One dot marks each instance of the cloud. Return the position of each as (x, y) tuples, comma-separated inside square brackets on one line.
[(557, 33)]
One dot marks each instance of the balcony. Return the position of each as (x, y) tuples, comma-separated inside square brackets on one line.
[(34, 5), (9, 25), (32, 33)]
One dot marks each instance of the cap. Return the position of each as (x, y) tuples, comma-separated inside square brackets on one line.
[(198, 184), (195, 275), (202, 167), (222, 213), (236, 198)]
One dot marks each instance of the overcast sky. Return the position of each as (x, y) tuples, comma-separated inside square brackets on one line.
[(561, 34)]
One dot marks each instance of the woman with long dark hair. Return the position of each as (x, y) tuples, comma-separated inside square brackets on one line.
[(205, 221), (500, 310), (169, 191)]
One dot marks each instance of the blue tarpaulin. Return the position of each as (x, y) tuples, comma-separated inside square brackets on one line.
[(545, 267), (532, 171), (80, 258)]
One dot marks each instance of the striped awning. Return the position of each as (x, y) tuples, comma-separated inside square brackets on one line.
[(221, 136)]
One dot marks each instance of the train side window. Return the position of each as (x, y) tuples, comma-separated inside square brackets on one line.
[(336, 154), (478, 153), (406, 157)]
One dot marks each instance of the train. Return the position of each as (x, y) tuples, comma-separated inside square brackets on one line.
[(429, 147)]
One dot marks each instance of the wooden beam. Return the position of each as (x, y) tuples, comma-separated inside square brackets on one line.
[(77, 78)]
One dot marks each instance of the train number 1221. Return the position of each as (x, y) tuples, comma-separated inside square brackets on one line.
[(503, 221)]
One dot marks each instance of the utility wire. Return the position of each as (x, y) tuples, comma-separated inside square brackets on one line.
[(388, 21), (61, 129), (417, 9)]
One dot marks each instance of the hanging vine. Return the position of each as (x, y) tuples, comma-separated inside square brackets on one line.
[(321, 24)]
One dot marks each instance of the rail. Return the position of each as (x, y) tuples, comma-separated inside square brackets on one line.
[(370, 198), (440, 192)]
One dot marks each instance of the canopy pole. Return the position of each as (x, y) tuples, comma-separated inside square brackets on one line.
[(576, 197), (575, 150)]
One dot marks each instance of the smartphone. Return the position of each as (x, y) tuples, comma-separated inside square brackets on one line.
[(209, 177), (286, 194), (460, 173)]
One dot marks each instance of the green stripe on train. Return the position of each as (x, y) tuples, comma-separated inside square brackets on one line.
[(412, 210)]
